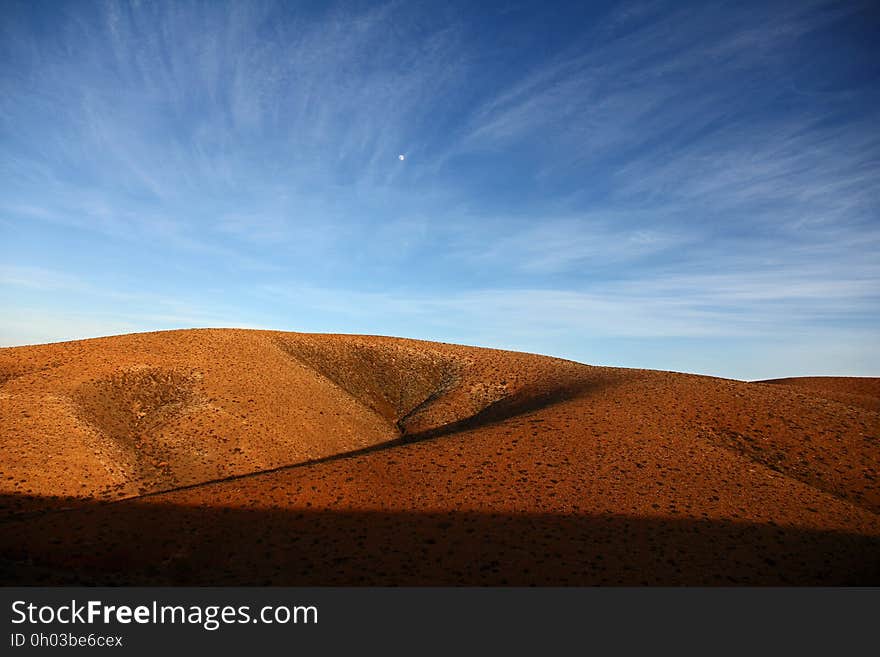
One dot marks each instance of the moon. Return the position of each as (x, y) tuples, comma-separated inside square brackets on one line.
[(401, 157)]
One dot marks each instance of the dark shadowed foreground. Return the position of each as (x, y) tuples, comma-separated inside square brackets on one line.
[(160, 544)]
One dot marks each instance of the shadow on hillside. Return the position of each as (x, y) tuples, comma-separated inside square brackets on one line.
[(526, 401), (153, 543), (520, 403)]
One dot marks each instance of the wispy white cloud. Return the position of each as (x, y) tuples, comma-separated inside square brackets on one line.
[(50, 306), (709, 305), (38, 278), (555, 245)]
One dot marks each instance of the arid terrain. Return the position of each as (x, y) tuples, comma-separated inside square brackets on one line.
[(223, 456)]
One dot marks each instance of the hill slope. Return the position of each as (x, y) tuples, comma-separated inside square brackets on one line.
[(400, 461), (852, 391)]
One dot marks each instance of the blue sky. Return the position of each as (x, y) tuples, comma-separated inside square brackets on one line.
[(660, 185)]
